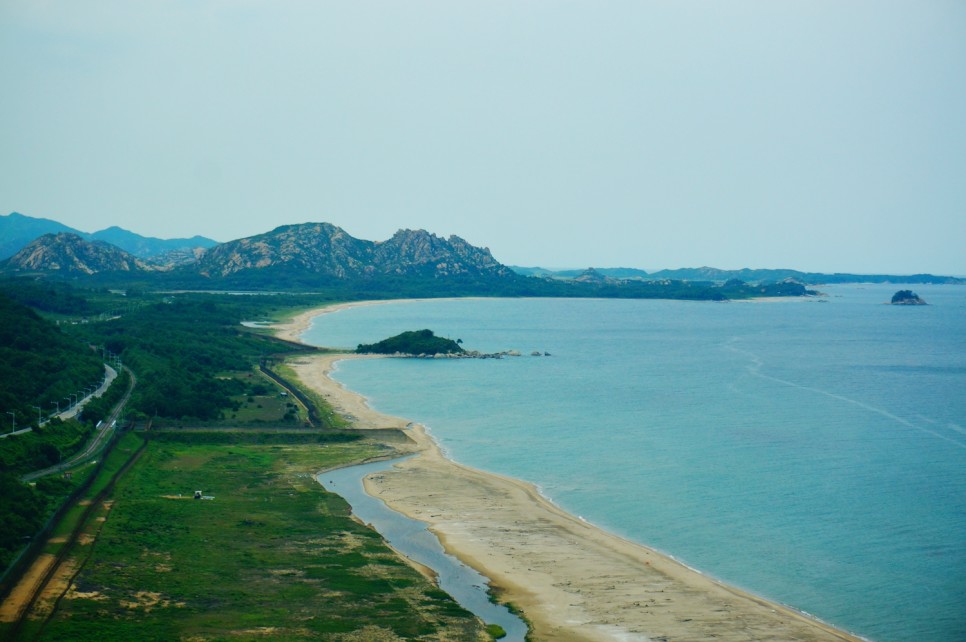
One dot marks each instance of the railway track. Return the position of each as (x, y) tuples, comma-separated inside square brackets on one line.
[(101, 437), (27, 599), (83, 523)]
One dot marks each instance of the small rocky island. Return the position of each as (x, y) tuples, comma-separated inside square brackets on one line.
[(907, 297)]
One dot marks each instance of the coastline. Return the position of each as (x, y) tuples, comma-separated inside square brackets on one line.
[(571, 580), (293, 329)]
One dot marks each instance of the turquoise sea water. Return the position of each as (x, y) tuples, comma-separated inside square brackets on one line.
[(811, 451)]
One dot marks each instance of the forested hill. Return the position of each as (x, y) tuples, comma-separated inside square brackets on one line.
[(417, 342), (39, 365)]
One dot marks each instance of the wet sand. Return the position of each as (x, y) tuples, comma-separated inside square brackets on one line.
[(571, 580)]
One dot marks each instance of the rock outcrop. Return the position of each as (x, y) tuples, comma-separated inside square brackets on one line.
[(907, 297)]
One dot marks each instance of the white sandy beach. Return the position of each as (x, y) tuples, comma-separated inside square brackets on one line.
[(571, 580)]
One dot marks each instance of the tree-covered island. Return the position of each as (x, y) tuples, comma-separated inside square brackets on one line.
[(906, 297), (414, 342)]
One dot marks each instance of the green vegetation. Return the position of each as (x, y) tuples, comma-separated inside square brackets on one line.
[(44, 446), (51, 297), (174, 347), (122, 452), (179, 346), (56, 440), (272, 555), (326, 414), (39, 366), (23, 509), (495, 631), (99, 408), (413, 342), (262, 402)]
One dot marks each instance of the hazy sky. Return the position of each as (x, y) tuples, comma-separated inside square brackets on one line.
[(818, 135)]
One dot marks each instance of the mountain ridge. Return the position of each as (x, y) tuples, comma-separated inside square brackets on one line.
[(328, 250), (18, 230), (66, 252), (308, 252)]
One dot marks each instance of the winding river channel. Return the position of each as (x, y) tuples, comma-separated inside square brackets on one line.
[(411, 538)]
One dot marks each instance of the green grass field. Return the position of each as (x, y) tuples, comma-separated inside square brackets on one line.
[(272, 556)]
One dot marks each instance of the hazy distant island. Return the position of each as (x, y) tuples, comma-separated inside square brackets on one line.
[(748, 275), (907, 297)]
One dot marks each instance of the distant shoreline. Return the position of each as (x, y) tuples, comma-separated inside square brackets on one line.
[(572, 580), (299, 324)]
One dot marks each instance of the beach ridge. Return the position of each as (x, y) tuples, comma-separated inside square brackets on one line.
[(573, 581)]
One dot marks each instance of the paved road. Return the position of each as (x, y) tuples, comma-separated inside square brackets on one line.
[(110, 374), (101, 436)]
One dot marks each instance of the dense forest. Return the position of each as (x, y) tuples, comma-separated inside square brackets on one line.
[(40, 365), (23, 510), (177, 344)]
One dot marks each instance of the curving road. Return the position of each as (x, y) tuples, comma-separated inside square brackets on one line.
[(101, 435)]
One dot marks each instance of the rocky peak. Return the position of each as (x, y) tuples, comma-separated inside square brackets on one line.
[(418, 251), (590, 275), (67, 252), (315, 247)]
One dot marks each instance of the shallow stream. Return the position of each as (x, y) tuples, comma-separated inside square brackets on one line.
[(412, 538)]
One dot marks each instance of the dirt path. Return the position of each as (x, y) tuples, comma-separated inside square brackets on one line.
[(12, 608)]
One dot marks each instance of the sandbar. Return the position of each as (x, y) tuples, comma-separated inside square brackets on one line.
[(570, 580)]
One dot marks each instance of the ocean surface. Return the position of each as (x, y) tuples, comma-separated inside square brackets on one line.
[(812, 451)]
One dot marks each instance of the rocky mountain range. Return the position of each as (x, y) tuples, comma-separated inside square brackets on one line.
[(309, 255), (69, 253), (325, 249), (300, 253)]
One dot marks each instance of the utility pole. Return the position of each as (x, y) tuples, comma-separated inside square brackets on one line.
[(39, 410), (56, 404), (13, 418)]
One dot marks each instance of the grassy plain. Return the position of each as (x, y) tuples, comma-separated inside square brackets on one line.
[(272, 555), (262, 402)]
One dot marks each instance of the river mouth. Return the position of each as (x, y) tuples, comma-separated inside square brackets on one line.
[(414, 540)]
